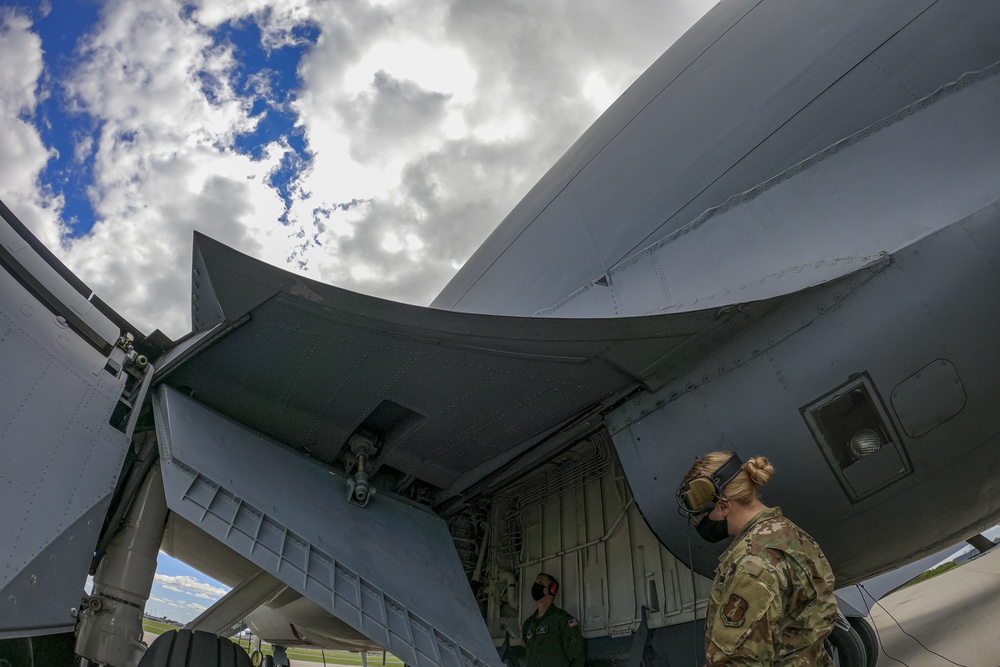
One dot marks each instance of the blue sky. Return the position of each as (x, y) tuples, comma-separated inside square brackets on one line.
[(370, 144), (265, 78), (180, 592)]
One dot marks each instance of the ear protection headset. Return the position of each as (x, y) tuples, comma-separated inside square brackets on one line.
[(699, 494), (553, 586)]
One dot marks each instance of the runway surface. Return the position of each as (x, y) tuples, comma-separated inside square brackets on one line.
[(954, 614)]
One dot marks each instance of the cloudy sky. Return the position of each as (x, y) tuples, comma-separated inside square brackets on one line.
[(180, 593), (371, 144)]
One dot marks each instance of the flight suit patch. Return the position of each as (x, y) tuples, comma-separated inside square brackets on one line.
[(531, 633), (572, 623), (542, 630), (733, 614), (758, 599)]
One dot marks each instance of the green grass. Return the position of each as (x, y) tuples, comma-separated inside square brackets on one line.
[(930, 574), (303, 654), (157, 628)]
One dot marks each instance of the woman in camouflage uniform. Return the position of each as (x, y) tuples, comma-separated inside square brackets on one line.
[(772, 601)]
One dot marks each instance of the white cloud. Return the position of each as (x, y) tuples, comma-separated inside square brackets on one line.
[(190, 586), (431, 66), (275, 18), (179, 610), (166, 601), (162, 163), (597, 90), (22, 153), (427, 122)]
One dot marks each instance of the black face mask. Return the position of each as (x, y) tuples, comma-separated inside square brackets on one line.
[(537, 592), (713, 530)]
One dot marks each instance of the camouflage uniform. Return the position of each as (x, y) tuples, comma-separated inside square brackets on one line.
[(772, 601), (554, 640)]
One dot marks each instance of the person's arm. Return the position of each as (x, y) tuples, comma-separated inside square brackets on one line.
[(747, 627), (573, 644)]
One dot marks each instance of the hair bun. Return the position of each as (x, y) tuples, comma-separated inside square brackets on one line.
[(759, 470)]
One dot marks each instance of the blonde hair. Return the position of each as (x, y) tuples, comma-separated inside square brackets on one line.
[(743, 489)]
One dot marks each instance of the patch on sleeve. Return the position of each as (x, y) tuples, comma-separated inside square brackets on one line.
[(749, 605), (734, 613), (572, 623)]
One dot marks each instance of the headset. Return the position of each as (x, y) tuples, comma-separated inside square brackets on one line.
[(699, 494), (553, 586)]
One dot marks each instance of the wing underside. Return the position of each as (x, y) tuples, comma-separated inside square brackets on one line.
[(441, 393)]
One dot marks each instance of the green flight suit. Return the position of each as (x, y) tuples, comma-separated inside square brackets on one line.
[(554, 640), (772, 601)]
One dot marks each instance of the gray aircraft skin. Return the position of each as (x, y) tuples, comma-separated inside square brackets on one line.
[(783, 239)]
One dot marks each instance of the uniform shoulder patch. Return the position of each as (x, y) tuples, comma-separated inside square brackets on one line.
[(743, 604), (573, 623), (734, 613)]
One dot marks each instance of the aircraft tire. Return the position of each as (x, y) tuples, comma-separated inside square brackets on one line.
[(850, 647), (194, 648), (868, 637)]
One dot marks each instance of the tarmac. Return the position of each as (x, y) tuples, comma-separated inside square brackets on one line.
[(955, 615)]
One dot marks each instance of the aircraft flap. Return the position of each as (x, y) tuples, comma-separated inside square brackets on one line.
[(389, 570)]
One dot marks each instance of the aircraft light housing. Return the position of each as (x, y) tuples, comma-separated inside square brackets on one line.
[(852, 428)]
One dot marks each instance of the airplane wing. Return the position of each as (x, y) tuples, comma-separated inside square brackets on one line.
[(310, 365)]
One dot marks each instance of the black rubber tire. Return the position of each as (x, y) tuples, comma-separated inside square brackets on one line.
[(850, 648), (187, 648), (868, 637)]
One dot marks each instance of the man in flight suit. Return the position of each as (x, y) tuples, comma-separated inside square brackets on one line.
[(551, 636)]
